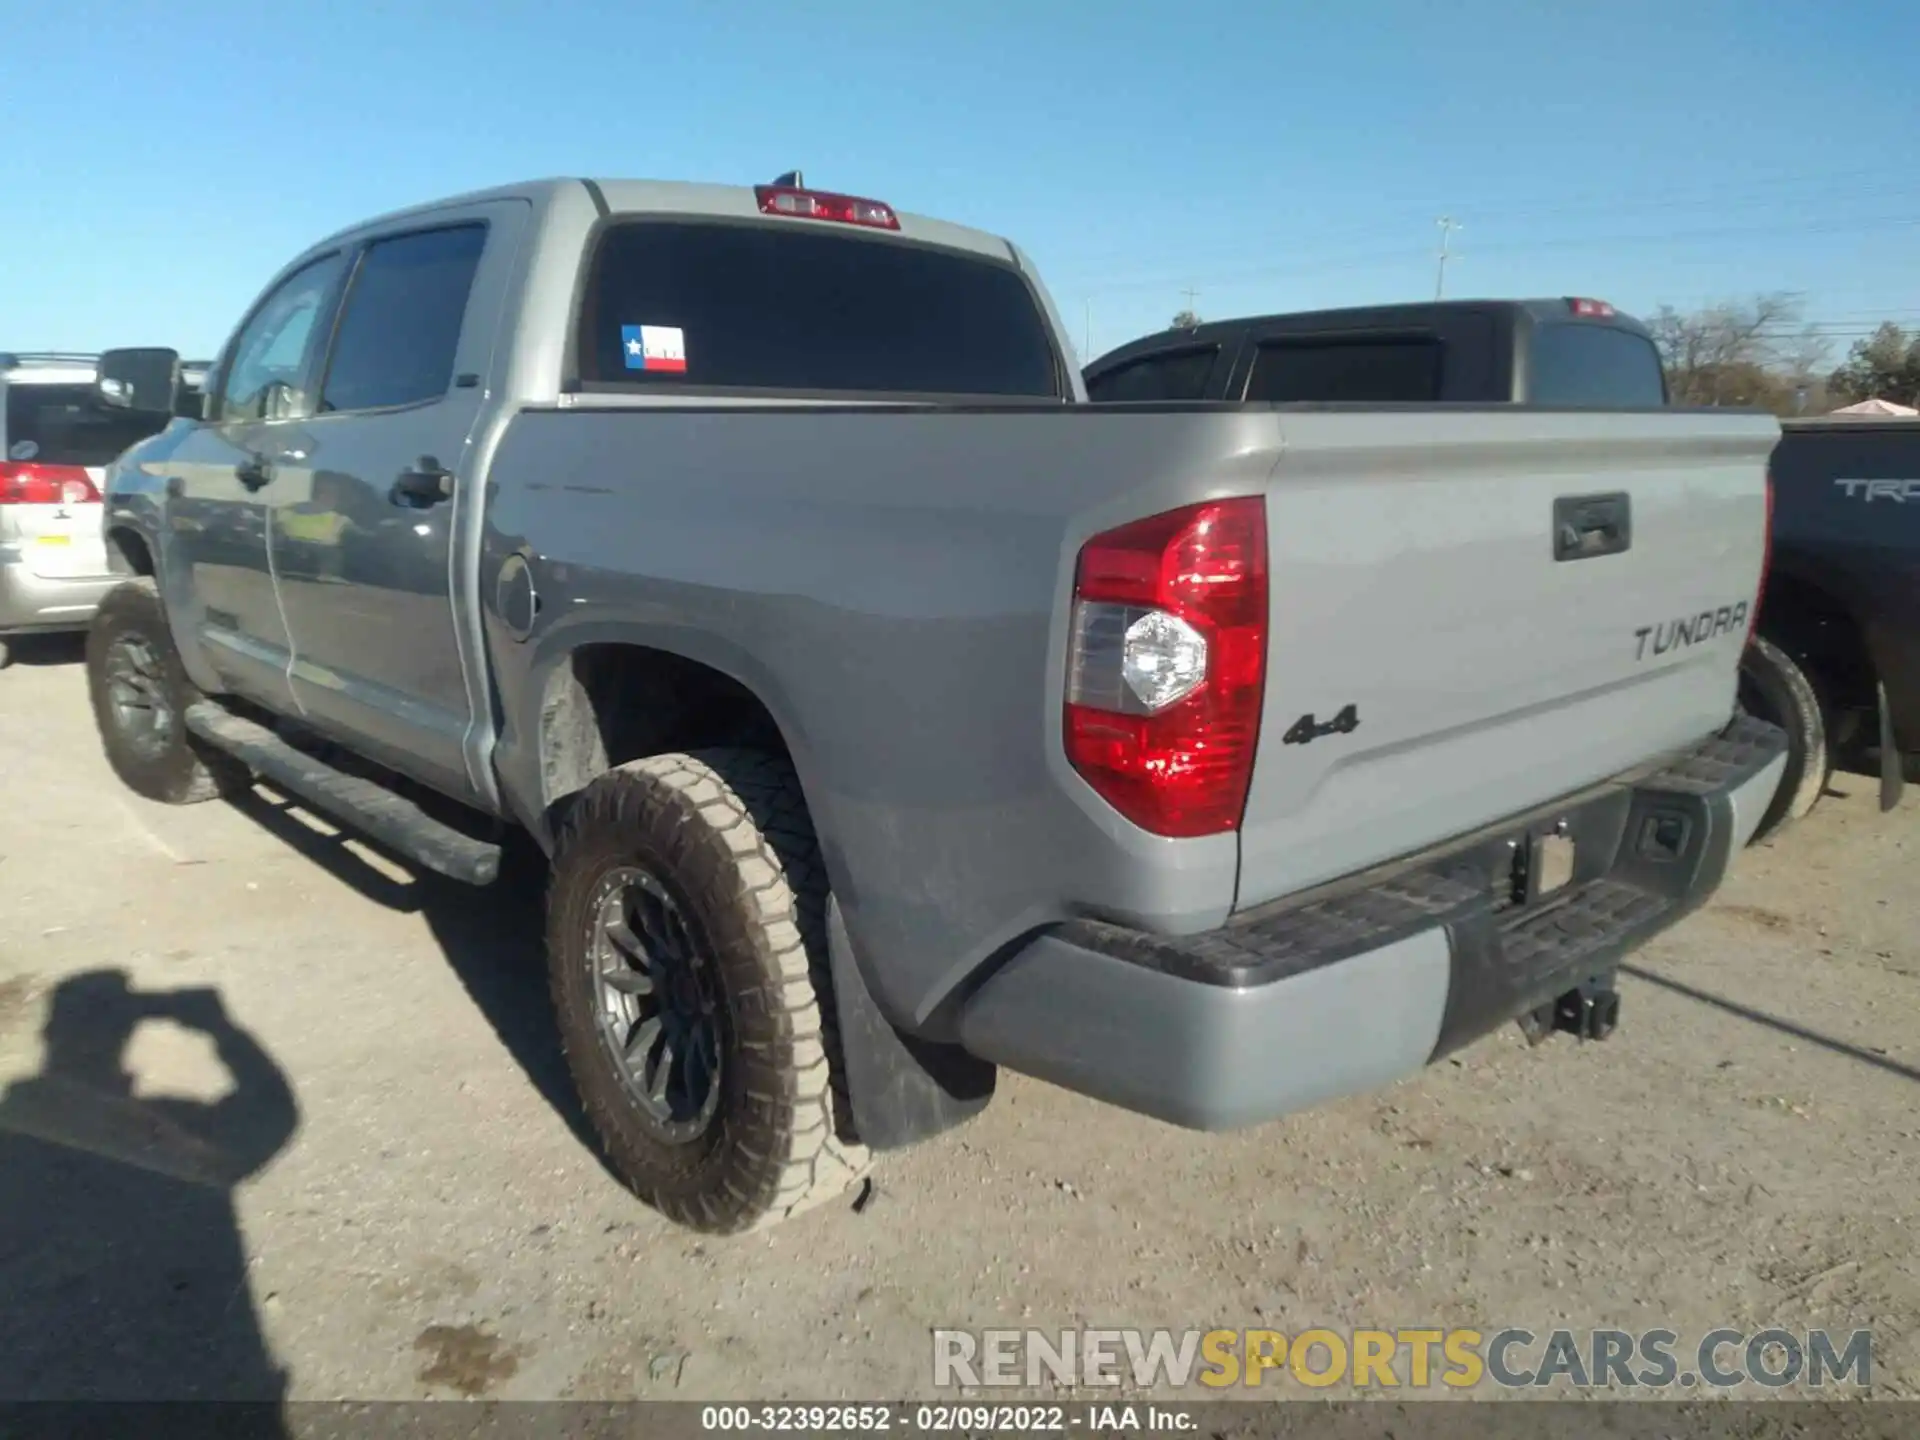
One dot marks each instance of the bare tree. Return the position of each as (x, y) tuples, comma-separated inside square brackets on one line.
[(1753, 352)]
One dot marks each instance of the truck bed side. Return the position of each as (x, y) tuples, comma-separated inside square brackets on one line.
[(893, 585)]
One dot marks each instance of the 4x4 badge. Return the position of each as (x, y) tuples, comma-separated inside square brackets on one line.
[(1306, 728)]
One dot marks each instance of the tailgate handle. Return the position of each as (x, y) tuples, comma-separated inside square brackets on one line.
[(1585, 526)]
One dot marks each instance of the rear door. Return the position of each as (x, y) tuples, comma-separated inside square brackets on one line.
[(1510, 603), (363, 532)]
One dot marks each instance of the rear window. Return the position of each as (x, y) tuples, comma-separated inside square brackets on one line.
[(1593, 365), (1360, 370), (62, 425), (671, 304), (1181, 375)]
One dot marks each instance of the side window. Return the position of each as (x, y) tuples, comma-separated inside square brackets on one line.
[(1377, 370), (263, 380), (400, 327), (1181, 375)]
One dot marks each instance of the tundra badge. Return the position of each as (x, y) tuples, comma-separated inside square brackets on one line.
[(1691, 629)]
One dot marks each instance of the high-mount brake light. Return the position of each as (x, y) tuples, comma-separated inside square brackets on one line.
[(1166, 665), (1592, 309), (27, 483), (820, 205)]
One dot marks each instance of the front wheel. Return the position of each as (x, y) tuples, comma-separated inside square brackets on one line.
[(140, 693), (1775, 688), (687, 955)]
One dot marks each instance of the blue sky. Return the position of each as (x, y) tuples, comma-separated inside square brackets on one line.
[(159, 162)]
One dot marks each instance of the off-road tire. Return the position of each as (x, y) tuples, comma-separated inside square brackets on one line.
[(727, 833), (188, 770), (1774, 687)]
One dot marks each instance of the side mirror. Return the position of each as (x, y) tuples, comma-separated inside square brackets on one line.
[(144, 381)]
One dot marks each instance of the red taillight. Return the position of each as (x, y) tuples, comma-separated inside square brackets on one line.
[(819, 205), (1766, 560), (1594, 309), (25, 483), (1167, 665)]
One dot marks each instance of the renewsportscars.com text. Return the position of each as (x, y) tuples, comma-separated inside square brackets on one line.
[(1413, 1358)]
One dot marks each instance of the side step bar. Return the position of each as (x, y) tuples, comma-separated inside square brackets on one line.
[(393, 820)]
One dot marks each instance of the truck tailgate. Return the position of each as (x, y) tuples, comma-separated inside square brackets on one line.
[(1414, 585)]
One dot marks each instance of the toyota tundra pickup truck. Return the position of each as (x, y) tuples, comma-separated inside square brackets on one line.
[(888, 714)]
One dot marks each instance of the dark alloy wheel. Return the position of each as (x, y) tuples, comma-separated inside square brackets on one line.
[(140, 693), (660, 1014), (143, 712)]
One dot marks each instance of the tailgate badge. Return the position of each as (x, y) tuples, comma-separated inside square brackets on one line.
[(1306, 729), (1691, 629)]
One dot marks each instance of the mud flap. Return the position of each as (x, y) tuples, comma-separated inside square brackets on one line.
[(1892, 778), (903, 1089)]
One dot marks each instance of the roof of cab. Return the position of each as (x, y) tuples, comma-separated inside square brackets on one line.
[(679, 197)]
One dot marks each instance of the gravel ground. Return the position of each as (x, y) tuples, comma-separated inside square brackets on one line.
[(402, 1204)]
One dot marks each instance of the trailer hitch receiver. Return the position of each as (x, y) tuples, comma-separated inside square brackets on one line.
[(1590, 1011)]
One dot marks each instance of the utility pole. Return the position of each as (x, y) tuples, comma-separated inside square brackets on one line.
[(1192, 295), (1447, 226)]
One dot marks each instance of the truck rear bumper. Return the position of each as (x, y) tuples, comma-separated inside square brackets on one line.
[(1361, 983)]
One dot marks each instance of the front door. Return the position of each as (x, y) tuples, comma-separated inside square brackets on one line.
[(225, 473), (362, 548)]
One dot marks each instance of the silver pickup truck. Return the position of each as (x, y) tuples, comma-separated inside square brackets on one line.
[(888, 714)]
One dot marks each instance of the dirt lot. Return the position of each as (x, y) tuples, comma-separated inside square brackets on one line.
[(415, 1212)]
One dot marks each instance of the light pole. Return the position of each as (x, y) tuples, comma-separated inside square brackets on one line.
[(1447, 226)]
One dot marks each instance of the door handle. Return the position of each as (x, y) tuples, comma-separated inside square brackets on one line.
[(426, 482), (1586, 526), (253, 472)]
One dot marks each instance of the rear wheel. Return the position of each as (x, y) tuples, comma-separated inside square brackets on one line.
[(140, 693), (687, 954), (1776, 688)]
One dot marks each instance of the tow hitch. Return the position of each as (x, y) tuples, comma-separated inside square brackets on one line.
[(1590, 1010)]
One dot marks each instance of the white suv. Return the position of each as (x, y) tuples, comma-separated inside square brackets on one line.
[(55, 445)]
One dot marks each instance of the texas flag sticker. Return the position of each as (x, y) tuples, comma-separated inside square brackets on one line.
[(654, 347)]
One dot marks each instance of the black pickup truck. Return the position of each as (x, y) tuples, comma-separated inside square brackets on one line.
[(1836, 658), (1562, 353)]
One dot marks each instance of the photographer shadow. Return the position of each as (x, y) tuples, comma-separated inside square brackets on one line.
[(121, 1259)]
